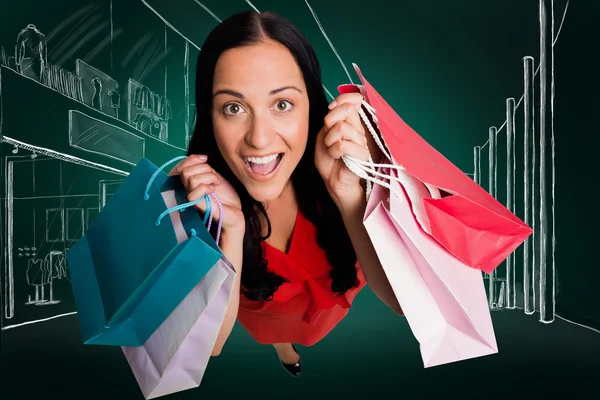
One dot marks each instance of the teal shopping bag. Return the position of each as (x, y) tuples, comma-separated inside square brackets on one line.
[(128, 272)]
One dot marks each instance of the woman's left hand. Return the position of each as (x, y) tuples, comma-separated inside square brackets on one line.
[(342, 134)]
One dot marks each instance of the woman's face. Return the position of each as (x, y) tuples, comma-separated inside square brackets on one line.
[(260, 116)]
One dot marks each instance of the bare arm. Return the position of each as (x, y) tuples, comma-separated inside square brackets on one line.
[(367, 257), (231, 244), (343, 186), (365, 252)]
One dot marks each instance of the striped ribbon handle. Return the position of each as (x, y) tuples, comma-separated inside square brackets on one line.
[(209, 214)]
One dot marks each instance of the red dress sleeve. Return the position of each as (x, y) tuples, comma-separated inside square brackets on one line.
[(303, 310)]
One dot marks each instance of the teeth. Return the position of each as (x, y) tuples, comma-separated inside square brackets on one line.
[(261, 160)]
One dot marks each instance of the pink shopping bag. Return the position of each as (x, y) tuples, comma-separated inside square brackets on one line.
[(444, 301)]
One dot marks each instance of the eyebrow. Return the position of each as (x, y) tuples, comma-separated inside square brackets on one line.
[(241, 96)]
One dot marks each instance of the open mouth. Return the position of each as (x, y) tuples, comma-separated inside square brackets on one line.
[(263, 165)]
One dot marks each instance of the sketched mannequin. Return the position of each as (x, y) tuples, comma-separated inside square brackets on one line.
[(31, 52)]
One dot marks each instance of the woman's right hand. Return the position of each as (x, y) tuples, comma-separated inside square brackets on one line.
[(199, 178)]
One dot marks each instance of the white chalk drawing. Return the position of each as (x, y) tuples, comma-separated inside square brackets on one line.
[(82, 30), (90, 86), (538, 183), (41, 263), (186, 95), (74, 91), (106, 189), (96, 136), (492, 176), (328, 40), (31, 60), (252, 5), (167, 23), (31, 52), (61, 156), (41, 274), (547, 164), (34, 269), (511, 294), (529, 183), (90, 215), (147, 111), (94, 83), (58, 234), (77, 217), (63, 81), (212, 14)]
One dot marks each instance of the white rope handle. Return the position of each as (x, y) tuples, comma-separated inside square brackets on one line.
[(368, 169), (363, 168), (359, 168), (371, 130)]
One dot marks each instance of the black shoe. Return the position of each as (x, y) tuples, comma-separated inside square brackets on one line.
[(292, 369)]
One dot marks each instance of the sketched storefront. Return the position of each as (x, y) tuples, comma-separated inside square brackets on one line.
[(67, 140)]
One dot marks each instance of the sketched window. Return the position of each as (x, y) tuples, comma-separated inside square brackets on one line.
[(91, 215), (55, 224), (75, 223)]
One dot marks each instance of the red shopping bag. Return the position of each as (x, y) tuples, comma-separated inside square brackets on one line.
[(470, 223)]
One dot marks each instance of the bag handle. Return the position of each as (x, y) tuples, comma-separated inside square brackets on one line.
[(209, 210), (380, 144), (393, 165), (359, 167), (220, 222), (158, 171), (207, 215), (364, 168)]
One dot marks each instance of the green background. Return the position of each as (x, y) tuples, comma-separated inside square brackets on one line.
[(446, 67)]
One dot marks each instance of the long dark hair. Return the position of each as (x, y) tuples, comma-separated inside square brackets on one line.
[(248, 28)]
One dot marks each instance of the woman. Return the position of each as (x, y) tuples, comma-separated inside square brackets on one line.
[(270, 146)]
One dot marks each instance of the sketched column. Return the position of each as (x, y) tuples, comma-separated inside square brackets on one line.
[(186, 92), (529, 188), (492, 190), (511, 297), (477, 175), (547, 238), (477, 164)]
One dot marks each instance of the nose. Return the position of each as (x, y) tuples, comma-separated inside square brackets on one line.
[(261, 133)]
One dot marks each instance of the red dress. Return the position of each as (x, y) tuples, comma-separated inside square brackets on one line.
[(303, 310)]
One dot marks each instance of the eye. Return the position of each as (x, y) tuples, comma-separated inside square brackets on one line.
[(283, 105), (232, 109)]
